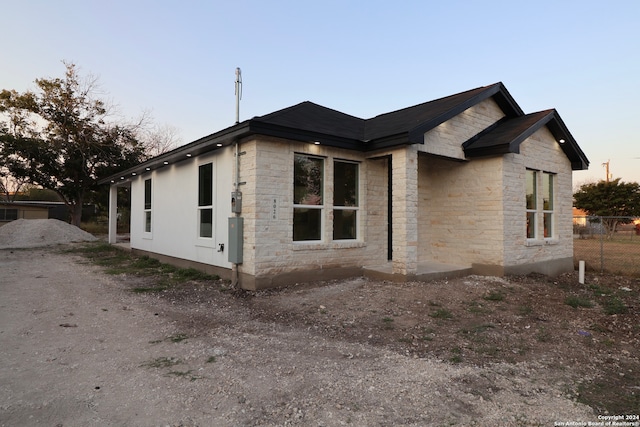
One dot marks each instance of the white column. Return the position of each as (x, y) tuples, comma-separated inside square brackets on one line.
[(113, 213)]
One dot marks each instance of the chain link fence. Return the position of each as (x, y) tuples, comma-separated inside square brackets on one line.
[(607, 244)]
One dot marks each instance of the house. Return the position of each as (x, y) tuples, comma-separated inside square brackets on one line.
[(464, 184), (10, 211)]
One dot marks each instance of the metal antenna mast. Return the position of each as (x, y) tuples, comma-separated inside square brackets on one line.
[(238, 93)]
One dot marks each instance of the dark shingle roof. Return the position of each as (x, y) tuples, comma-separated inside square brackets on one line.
[(507, 135), (312, 122), (405, 126)]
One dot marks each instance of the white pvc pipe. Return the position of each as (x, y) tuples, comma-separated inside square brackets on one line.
[(581, 272)]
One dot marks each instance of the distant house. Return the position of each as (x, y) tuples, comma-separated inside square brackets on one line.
[(10, 211), (579, 217), (468, 183)]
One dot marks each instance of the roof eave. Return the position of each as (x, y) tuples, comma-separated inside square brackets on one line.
[(498, 91), (203, 145), (572, 150), (268, 129)]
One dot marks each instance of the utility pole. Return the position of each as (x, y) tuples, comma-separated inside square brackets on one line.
[(606, 165)]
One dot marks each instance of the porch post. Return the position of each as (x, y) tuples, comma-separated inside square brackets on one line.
[(113, 213), (405, 210)]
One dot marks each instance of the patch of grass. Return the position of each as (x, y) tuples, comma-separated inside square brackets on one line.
[(599, 290), (476, 329), (388, 322), (476, 307), (611, 394), (614, 305), (161, 362), (184, 374), (494, 296), (177, 337), (441, 313), (544, 335), (187, 274), (142, 289), (576, 301), (457, 355), (211, 359), (145, 262), (117, 261), (525, 310), (489, 350)]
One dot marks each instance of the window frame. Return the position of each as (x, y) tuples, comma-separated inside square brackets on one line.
[(548, 212), (355, 208), (205, 200), (542, 213), (5, 214), (320, 207), (147, 225)]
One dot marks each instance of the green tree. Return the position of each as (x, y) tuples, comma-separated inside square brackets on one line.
[(61, 138), (616, 201)]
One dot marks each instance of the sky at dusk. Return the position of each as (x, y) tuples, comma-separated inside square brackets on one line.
[(177, 59)]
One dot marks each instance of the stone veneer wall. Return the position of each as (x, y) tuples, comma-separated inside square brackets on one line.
[(539, 152), (271, 258), (461, 211), (473, 212), (447, 138)]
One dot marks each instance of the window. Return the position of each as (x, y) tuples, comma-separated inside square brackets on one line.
[(147, 205), (547, 203), (531, 204), (205, 200), (345, 200), (308, 197), (539, 211), (8, 214)]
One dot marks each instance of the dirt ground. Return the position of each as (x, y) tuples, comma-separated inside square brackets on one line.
[(80, 347)]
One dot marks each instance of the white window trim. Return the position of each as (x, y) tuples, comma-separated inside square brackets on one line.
[(539, 212), (553, 204), (206, 241), (147, 234), (535, 210)]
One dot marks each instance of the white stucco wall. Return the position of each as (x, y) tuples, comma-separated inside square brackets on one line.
[(174, 213)]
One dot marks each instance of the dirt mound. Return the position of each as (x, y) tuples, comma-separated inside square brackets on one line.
[(31, 233)]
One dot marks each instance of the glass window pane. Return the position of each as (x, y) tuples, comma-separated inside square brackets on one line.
[(147, 221), (12, 214), (147, 194), (547, 191), (548, 225), (531, 189), (531, 225), (307, 180), (205, 185), (206, 222), (306, 224), (344, 224), (345, 184)]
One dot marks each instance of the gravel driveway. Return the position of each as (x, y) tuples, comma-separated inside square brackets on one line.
[(79, 349)]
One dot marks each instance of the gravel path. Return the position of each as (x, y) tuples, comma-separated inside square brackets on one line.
[(79, 349)]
